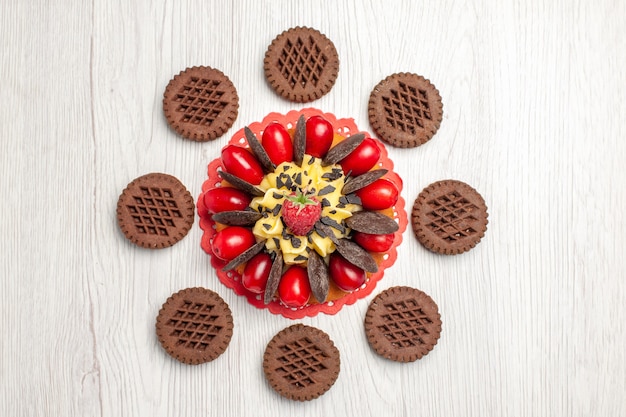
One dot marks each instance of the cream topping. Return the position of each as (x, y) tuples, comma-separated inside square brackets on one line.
[(324, 182)]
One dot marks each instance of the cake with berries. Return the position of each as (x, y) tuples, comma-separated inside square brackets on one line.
[(302, 213)]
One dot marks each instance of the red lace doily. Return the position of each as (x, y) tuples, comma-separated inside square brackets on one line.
[(232, 279)]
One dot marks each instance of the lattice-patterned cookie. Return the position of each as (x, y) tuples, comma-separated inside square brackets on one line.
[(449, 217), (155, 211), (402, 324), (405, 110), (201, 103), (301, 64), (301, 362), (195, 325)]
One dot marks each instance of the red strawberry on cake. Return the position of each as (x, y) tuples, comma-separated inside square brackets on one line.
[(301, 212)]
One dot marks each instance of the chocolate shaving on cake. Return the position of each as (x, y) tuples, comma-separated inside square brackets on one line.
[(298, 178), (295, 242), (284, 180), (273, 280), (353, 199), (333, 223), (259, 150), (237, 217), (325, 231), (245, 256), (343, 149), (300, 258), (356, 255), (325, 202), (362, 181), (319, 278), (276, 209), (334, 175), (372, 223), (285, 234), (320, 228), (276, 241), (267, 226), (277, 196), (326, 190), (243, 185), (299, 141)]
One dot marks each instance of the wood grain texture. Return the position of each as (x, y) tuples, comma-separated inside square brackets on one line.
[(534, 119)]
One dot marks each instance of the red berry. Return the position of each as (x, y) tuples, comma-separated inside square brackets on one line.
[(300, 212), (294, 289), (379, 195), (347, 276), (221, 199), (319, 136), (374, 243), (232, 242), (277, 143), (256, 272), (362, 159), (241, 163)]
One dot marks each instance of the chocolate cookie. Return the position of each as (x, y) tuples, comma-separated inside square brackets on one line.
[(155, 211), (449, 217), (301, 362), (201, 103), (402, 324), (195, 326), (301, 64), (405, 110)]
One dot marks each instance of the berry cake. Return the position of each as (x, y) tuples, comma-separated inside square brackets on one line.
[(302, 213)]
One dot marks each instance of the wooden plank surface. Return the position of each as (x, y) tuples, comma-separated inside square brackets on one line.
[(534, 116)]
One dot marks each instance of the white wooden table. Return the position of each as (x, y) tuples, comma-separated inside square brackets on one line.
[(533, 96)]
